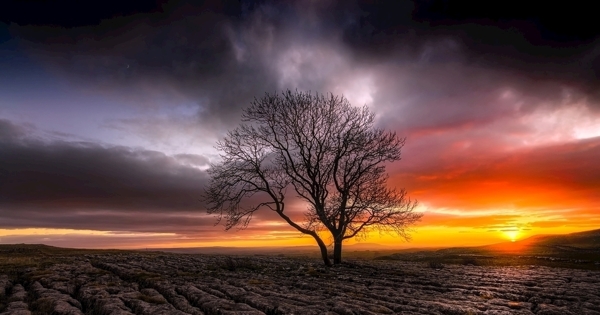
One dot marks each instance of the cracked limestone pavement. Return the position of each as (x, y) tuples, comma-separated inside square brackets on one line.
[(160, 283)]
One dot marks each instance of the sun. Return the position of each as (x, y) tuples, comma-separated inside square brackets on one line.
[(512, 235)]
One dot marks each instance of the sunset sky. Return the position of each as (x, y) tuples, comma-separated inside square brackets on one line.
[(109, 113)]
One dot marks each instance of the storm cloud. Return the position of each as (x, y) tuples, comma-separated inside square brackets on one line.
[(221, 55), (109, 115), (42, 180)]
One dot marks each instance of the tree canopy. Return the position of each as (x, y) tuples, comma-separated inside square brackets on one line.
[(324, 151)]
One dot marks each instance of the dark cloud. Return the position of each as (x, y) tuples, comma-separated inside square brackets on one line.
[(82, 185), (59, 176), (180, 53), (382, 24), (220, 56), (192, 160), (70, 14), (140, 221), (12, 132), (549, 42)]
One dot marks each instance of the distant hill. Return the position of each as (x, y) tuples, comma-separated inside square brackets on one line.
[(581, 245), (576, 250), (581, 242)]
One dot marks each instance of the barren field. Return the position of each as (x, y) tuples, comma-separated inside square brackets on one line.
[(157, 283)]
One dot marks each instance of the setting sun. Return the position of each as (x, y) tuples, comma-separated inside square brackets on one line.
[(512, 235)]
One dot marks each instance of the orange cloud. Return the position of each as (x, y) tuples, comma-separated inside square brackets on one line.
[(440, 219), (552, 176)]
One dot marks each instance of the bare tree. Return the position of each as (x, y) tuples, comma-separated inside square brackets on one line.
[(328, 152)]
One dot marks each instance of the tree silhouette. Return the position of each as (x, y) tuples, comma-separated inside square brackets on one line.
[(328, 152)]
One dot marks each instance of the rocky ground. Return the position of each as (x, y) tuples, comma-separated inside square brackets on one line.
[(154, 284)]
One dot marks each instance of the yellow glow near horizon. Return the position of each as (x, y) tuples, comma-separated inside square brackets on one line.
[(512, 235), (423, 236)]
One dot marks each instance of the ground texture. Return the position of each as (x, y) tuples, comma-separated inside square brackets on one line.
[(154, 284)]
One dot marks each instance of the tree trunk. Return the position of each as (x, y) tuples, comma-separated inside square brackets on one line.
[(323, 248), (309, 232), (337, 252)]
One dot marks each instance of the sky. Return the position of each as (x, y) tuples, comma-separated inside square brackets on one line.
[(110, 111)]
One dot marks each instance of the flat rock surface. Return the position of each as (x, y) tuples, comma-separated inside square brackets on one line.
[(141, 283)]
